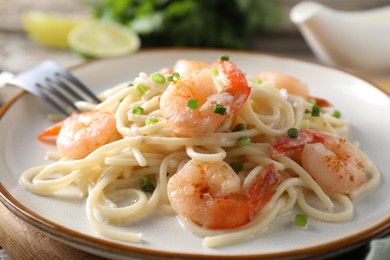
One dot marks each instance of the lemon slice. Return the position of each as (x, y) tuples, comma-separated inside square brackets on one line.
[(50, 29), (96, 39)]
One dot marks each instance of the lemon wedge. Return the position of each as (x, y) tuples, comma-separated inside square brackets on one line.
[(97, 39), (50, 29)]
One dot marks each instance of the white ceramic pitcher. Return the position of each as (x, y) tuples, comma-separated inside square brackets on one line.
[(357, 40)]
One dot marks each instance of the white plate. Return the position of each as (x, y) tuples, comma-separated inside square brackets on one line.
[(63, 217)]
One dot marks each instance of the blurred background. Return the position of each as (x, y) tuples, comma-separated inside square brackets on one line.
[(261, 25)]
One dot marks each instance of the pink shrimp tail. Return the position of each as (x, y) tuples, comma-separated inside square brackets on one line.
[(50, 134), (285, 145), (237, 83)]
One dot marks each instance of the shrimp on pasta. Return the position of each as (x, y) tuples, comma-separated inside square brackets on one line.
[(334, 163), (210, 194), (82, 133), (210, 105)]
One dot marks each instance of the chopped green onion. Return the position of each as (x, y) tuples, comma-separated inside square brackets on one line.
[(192, 103), (145, 183), (292, 132), (141, 89), (173, 77), (219, 109), (157, 77), (259, 81), (312, 101), (300, 220), (151, 121), (131, 84), (214, 71), (336, 114), (237, 166), (138, 110), (307, 111), (316, 110), (239, 127), (304, 124), (243, 141), (225, 57)]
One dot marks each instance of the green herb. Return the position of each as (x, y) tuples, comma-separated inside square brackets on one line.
[(243, 141), (204, 23), (141, 89), (219, 109), (214, 71), (151, 121), (316, 110), (292, 132), (157, 77), (146, 184), (192, 103), (336, 114), (138, 110), (258, 82), (237, 166), (225, 57), (300, 220), (173, 77), (239, 127), (131, 84)]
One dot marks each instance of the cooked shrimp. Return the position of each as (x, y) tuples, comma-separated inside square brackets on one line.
[(210, 194), (184, 67), (201, 87), (334, 163), (282, 81), (81, 134)]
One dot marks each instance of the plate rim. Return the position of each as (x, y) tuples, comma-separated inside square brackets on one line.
[(87, 242)]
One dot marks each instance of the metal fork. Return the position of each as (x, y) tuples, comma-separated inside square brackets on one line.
[(53, 84)]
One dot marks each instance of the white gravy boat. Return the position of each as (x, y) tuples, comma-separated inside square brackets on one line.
[(356, 40)]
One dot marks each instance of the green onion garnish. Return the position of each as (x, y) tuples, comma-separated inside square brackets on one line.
[(258, 82), (316, 110), (239, 127), (192, 103), (141, 89), (304, 124), (237, 166), (138, 110), (151, 121), (145, 184), (336, 114), (243, 141), (214, 71), (131, 84), (219, 109), (157, 77), (225, 57), (300, 220), (292, 132), (173, 77)]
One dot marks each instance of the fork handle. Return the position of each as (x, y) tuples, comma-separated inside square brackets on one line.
[(5, 78)]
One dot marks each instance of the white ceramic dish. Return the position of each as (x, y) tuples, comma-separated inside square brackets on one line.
[(63, 217)]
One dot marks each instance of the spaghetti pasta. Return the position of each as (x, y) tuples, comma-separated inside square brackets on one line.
[(109, 176)]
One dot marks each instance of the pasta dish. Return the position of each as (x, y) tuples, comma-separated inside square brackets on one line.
[(224, 152)]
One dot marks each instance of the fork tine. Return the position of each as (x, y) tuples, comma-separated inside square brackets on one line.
[(48, 86), (55, 85), (67, 75), (68, 89)]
